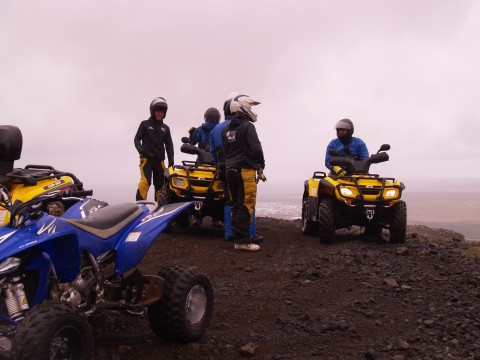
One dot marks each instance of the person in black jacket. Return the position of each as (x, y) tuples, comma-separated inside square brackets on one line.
[(243, 159), (152, 140)]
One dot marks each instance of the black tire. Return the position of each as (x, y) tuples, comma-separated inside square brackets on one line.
[(186, 308), (398, 223), (165, 197), (183, 219), (326, 221), (53, 330), (309, 227)]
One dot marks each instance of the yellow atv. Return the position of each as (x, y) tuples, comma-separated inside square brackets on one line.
[(359, 198), (194, 181), (26, 183)]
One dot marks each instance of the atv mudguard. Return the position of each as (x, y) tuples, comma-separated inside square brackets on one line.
[(137, 242)]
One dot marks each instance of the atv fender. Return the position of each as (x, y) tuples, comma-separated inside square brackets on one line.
[(311, 202), (133, 248), (325, 188), (64, 253)]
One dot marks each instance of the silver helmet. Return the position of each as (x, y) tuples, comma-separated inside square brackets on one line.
[(159, 103), (244, 103)]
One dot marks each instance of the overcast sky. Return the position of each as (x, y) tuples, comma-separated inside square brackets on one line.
[(77, 78)]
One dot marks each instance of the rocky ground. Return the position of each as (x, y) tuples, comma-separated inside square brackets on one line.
[(298, 299)]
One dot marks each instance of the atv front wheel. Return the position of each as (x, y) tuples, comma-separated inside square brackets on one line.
[(326, 221), (183, 219), (53, 330), (186, 308), (309, 227), (398, 223), (165, 197)]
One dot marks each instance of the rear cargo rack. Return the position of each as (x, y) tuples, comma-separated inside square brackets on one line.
[(31, 174)]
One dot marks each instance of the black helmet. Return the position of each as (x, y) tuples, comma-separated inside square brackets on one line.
[(159, 103), (345, 124), (212, 115)]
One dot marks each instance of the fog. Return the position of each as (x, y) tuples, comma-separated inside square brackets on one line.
[(77, 79)]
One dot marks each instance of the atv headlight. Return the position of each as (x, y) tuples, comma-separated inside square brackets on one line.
[(346, 192), (391, 193), (178, 181), (9, 265)]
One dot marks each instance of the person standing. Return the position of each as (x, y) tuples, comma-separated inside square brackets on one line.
[(243, 158), (345, 144), (219, 161), (152, 140)]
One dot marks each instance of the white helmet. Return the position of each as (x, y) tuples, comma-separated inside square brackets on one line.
[(244, 103)]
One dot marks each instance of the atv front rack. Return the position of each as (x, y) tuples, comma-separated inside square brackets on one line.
[(370, 193), (31, 174), (193, 183)]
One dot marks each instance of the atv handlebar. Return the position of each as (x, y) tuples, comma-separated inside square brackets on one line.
[(79, 193), (33, 206), (359, 166)]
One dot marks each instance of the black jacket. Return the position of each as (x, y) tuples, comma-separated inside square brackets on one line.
[(241, 146), (153, 138)]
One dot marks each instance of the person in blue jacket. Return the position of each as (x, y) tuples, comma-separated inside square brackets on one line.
[(219, 161), (345, 144), (201, 135)]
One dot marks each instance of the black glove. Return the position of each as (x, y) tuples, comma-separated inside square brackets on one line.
[(192, 129)]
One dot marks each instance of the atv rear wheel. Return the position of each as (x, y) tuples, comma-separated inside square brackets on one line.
[(398, 223), (53, 330), (186, 308), (309, 227), (326, 221)]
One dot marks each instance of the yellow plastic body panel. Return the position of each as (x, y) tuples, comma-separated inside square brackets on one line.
[(199, 179), (24, 193)]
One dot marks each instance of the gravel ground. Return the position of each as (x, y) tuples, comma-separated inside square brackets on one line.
[(357, 298)]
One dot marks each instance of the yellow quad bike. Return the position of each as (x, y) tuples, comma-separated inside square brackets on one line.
[(194, 181), (26, 183), (359, 198)]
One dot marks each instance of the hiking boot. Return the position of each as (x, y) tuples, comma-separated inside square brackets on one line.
[(247, 247), (257, 239)]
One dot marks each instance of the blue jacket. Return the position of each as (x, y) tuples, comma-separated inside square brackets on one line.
[(358, 149), (201, 135), (216, 143)]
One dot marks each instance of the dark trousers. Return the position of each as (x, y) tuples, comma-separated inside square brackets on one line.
[(150, 167), (243, 195)]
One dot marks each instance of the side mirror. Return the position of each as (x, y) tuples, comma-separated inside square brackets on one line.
[(384, 147), (185, 140)]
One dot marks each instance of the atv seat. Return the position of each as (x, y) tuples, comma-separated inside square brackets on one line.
[(204, 159), (109, 220)]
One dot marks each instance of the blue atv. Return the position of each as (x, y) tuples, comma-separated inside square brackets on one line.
[(56, 271)]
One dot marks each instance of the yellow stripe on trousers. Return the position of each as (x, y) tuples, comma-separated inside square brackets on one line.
[(250, 188)]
